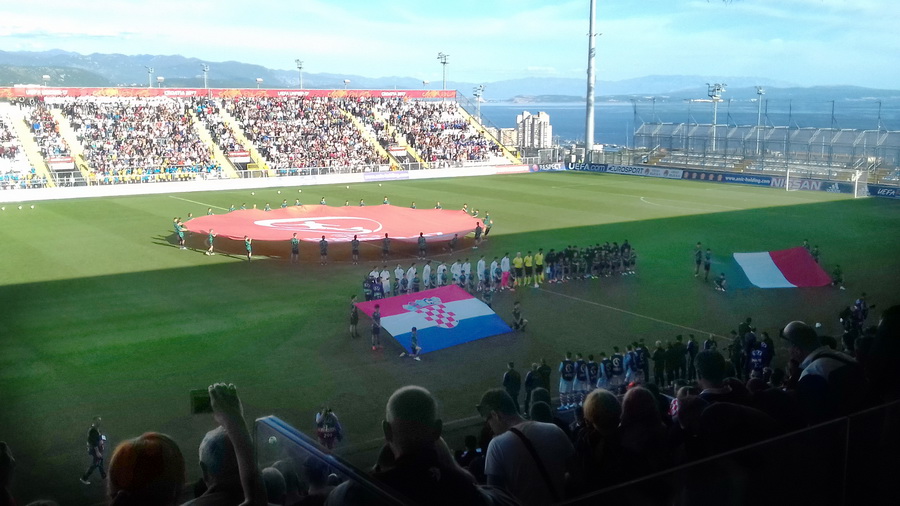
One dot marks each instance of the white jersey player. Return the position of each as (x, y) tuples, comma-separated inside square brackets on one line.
[(386, 280), (441, 273), (426, 275)]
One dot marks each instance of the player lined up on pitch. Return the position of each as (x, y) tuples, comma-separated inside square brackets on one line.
[(571, 263)]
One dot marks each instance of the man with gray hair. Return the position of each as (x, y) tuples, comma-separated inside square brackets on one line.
[(831, 383), (226, 455), (218, 464)]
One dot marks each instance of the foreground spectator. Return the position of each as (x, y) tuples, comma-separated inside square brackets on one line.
[(528, 458), (226, 455), (643, 434), (276, 488), (885, 355), (146, 470), (599, 455), (711, 370), (831, 383), (315, 474), (416, 462), (292, 485)]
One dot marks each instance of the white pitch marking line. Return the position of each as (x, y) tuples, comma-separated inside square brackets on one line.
[(198, 203), (652, 203), (699, 331)]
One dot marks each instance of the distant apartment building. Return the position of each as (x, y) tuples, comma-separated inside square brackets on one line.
[(534, 130)]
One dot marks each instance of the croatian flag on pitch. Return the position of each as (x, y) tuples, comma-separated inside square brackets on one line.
[(789, 268), (443, 317)]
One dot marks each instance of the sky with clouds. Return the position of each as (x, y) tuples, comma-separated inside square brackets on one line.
[(806, 42)]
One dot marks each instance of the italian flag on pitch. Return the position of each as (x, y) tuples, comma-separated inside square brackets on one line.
[(789, 268)]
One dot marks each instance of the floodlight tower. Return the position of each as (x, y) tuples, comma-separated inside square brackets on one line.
[(149, 76), (591, 78), (714, 91), (442, 57), (299, 64), (759, 93), (478, 92), (205, 69)]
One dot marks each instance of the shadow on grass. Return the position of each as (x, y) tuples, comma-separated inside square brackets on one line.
[(76, 347)]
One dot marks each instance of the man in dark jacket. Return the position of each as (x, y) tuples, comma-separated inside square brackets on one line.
[(512, 383), (532, 381)]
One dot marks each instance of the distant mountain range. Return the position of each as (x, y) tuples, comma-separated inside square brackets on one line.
[(74, 69)]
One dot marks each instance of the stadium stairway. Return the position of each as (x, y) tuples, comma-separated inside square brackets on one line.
[(219, 155), (400, 139), (480, 128), (16, 118), (255, 156), (367, 135), (71, 138)]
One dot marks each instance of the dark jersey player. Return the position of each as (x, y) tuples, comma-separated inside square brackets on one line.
[(376, 328), (295, 249), (323, 251), (422, 246), (580, 386), (698, 259), (519, 322), (354, 317), (616, 371), (707, 263), (566, 381), (354, 250)]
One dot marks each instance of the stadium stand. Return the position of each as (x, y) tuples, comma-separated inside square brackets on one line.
[(437, 131), (131, 140), (15, 169), (293, 134), (46, 132)]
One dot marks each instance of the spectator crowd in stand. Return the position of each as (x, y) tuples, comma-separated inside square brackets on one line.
[(437, 131), (128, 140), (293, 133), (46, 132), (150, 139), (9, 143), (208, 112), (12, 172)]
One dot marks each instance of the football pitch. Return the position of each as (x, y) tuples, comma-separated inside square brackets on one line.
[(102, 314)]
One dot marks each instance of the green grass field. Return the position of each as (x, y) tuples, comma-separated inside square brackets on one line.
[(102, 314)]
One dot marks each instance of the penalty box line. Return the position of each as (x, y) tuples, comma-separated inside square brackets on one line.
[(198, 203), (657, 320)]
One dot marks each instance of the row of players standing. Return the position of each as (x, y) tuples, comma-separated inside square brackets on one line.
[(671, 362), (503, 273)]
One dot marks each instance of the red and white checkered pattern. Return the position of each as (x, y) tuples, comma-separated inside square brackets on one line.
[(438, 313)]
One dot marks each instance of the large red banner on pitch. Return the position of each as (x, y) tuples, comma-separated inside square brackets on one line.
[(41, 91), (337, 224)]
